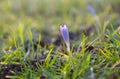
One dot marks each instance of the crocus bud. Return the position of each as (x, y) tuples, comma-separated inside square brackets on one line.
[(65, 35), (91, 10), (93, 13)]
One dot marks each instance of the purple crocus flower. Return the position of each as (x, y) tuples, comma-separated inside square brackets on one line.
[(91, 10), (65, 35), (93, 13)]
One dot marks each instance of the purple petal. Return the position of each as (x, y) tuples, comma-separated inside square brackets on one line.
[(91, 10), (64, 33)]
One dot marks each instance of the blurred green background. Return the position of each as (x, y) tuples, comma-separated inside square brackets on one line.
[(17, 17)]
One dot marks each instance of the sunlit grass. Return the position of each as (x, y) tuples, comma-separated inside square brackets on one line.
[(25, 26)]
